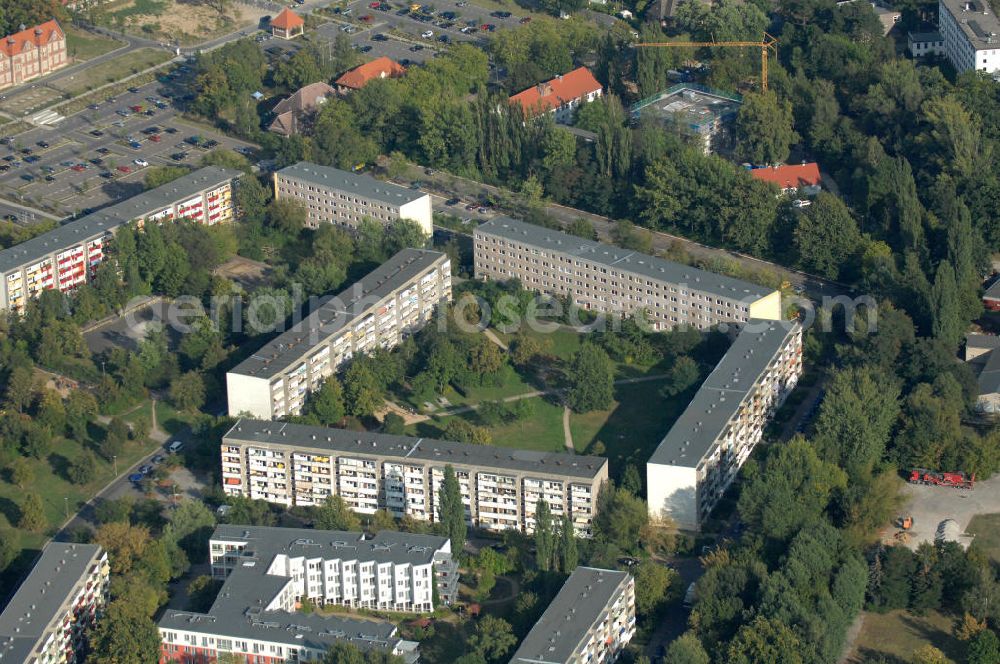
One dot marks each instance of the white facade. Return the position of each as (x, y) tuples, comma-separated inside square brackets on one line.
[(971, 35), (923, 44)]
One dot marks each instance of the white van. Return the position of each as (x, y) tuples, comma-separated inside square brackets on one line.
[(175, 446)]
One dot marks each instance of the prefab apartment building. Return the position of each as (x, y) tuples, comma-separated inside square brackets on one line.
[(292, 464), (705, 448), (67, 256), (333, 196), (604, 278), (395, 299)]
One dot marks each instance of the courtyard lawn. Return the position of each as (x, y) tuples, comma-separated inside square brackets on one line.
[(897, 634), (83, 45), (634, 425), (986, 528), (564, 341), (541, 431), (113, 70)]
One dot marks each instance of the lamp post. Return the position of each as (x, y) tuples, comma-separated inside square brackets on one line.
[(115, 459), (66, 506)]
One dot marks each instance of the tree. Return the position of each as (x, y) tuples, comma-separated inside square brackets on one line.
[(683, 374), (983, 649), (545, 543), (826, 237), (157, 176), (451, 510), (763, 129), (889, 588), (37, 441), (621, 518), (686, 649), (334, 514), (928, 654), (465, 432), (344, 652), (125, 544), (32, 514), (187, 391), (327, 403), (393, 424), (765, 640), (569, 554), (493, 638), (286, 216), (115, 438), (83, 468), (81, 409), (591, 380), (123, 635), (946, 312), (651, 583), (362, 392), (20, 388), (20, 472)]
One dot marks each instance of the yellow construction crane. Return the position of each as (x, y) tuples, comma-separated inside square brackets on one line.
[(769, 43)]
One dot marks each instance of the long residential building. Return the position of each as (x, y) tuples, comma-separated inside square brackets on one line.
[(604, 278), (703, 451), (333, 196), (47, 619), (67, 256), (590, 621), (269, 573), (31, 53), (378, 311), (970, 34), (293, 464)]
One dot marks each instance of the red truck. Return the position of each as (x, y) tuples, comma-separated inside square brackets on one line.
[(932, 477)]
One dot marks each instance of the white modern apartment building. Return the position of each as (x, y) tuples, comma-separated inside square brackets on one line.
[(590, 621), (47, 619), (705, 448), (293, 464), (268, 573), (604, 278), (67, 256), (971, 35), (378, 311), (333, 196)]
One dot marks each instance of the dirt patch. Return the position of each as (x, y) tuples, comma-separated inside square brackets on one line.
[(247, 273), (897, 634), (184, 22)]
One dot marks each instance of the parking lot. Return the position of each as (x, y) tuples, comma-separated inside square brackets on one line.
[(96, 156)]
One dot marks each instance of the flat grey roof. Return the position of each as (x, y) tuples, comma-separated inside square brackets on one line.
[(973, 340), (387, 546), (977, 21), (336, 313), (344, 442), (688, 104), (39, 598), (716, 401), (623, 259), (111, 217), (363, 185), (993, 292), (568, 619), (934, 36), (989, 377)]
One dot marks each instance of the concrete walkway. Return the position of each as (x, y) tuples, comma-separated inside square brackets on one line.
[(491, 335), (567, 434)]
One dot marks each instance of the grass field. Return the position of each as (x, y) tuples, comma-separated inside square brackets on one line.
[(897, 634), (986, 528), (114, 69), (83, 45), (542, 431)]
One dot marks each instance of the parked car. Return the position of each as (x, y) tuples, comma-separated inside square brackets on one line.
[(42, 144), (416, 47), (141, 163), (155, 138), (124, 169), (135, 478), (179, 156), (103, 150), (364, 49), (97, 133), (379, 37), (427, 34), (79, 168), (175, 446), (452, 201), (145, 470)]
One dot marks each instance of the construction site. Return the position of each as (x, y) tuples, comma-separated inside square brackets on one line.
[(695, 110)]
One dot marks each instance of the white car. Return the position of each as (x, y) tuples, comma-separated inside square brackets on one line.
[(427, 34), (141, 163), (801, 203)]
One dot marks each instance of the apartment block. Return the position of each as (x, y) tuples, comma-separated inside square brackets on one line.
[(604, 278), (46, 621), (66, 257), (379, 311), (268, 573), (590, 621), (292, 464), (705, 448), (333, 196), (31, 53), (970, 32)]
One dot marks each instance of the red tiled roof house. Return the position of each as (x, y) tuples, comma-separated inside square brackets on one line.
[(293, 114), (31, 53), (359, 77), (791, 179), (560, 96), (287, 24)]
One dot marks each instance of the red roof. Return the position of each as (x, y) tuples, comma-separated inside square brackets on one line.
[(39, 35), (553, 94), (382, 67), (789, 177), (287, 20)]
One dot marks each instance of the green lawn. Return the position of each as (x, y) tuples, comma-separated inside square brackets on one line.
[(542, 431), (564, 342), (113, 70), (84, 45), (986, 528), (897, 634)]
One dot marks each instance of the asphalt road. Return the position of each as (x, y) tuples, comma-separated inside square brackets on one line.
[(71, 143)]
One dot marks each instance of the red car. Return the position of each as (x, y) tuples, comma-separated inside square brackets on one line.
[(367, 18), (155, 138), (374, 5), (136, 109), (487, 27), (124, 169), (79, 168)]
